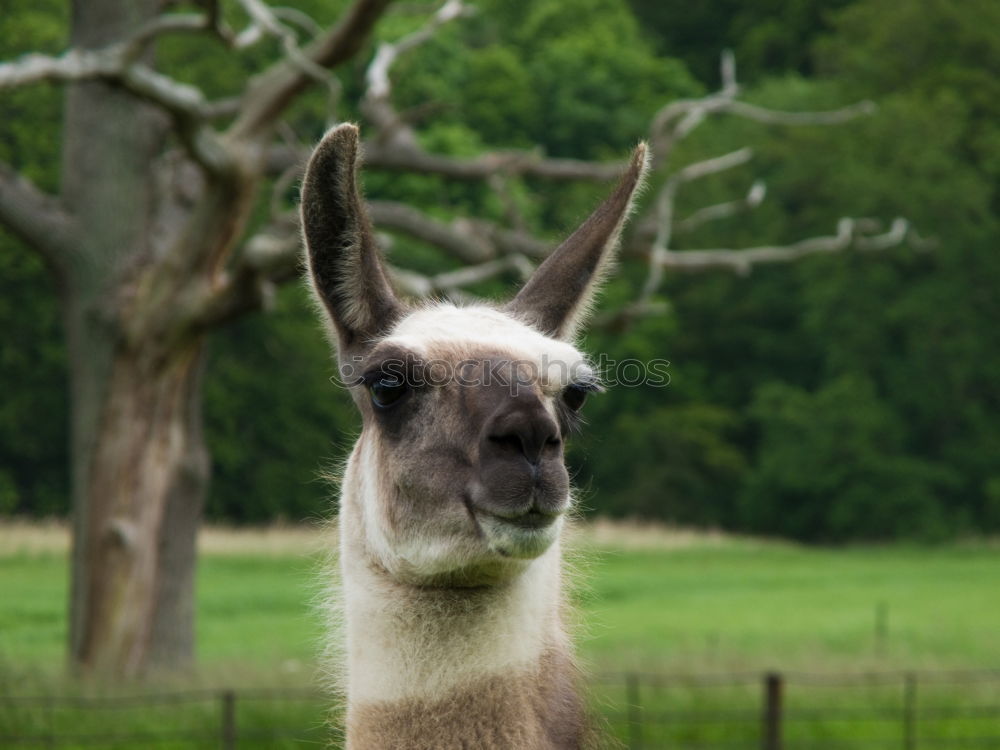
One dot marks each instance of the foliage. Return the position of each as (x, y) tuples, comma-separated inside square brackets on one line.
[(34, 444), (768, 36), (272, 467), (847, 397)]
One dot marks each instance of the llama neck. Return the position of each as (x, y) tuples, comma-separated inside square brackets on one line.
[(485, 667)]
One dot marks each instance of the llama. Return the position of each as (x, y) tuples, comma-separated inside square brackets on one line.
[(455, 494)]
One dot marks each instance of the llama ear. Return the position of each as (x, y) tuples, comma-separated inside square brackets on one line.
[(559, 294), (345, 269)]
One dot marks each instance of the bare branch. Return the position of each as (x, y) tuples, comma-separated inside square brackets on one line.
[(454, 239), (398, 158), (661, 257), (114, 64), (678, 119), (727, 72), (447, 284), (110, 61), (166, 24), (668, 193), (394, 157), (377, 75), (777, 117), (753, 198), (269, 258), (849, 235), (266, 19), (74, 65), (472, 241), (716, 164), (187, 106), (271, 93), (295, 16), (36, 218), (852, 234), (377, 102)]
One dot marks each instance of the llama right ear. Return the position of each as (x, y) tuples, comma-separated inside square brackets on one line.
[(345, 269), (559, 294)]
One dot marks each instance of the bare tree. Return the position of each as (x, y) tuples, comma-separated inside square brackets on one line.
[(147, 244)]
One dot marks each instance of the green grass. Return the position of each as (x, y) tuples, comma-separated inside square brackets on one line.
[(729, 606), (756, 606)]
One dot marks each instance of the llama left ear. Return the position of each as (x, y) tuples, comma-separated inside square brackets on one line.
[(343, 262), (558, 296)]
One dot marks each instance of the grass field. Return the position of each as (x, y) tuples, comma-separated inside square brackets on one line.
[(650, 601)]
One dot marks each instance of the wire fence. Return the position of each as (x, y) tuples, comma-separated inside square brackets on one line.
[(903, 710), (764, 711)]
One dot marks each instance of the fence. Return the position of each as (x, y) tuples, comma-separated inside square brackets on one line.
[(228, 719), (770, 711), (781, 711)]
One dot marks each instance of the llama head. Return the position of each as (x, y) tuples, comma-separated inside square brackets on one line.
[(460, 478)]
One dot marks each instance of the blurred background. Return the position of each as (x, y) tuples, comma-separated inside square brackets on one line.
[(816, 493)]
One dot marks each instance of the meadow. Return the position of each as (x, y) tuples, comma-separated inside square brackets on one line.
[(668, 623)]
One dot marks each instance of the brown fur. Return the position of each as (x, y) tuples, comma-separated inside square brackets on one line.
[(535, 710)]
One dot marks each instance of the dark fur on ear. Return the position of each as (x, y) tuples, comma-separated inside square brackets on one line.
[(343, 260), (559, 294)]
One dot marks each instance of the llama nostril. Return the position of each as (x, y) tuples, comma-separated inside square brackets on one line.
[(527, 443), (522, 428), (511, 443)]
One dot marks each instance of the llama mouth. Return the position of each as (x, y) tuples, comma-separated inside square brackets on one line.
[(520, 537), (533, 519)]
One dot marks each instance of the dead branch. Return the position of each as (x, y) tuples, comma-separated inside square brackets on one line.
[(754, 197), (851, 234), (269, 95), (36, 218), (664, 205), (455, 239), (393, 157), (396, 157), (267, 259), (449, 283), (266, 19), (468, 240), (116, 64), (377, 102), (678, 119)]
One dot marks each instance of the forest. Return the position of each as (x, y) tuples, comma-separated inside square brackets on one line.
[(842, 396)]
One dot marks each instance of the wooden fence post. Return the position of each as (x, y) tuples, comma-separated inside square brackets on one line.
[(771, 729), (632, 698), (228, 698), (910, 711)]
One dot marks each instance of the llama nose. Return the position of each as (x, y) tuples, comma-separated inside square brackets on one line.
[(524, 428)]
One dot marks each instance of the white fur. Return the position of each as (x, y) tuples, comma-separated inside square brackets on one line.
[(433, 331), (394, 653)]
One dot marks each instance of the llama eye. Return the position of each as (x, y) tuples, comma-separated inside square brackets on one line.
[(387, 391), (574, 397)]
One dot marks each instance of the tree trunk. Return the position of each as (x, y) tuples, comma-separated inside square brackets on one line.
[(140, 468), (144, 496)]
